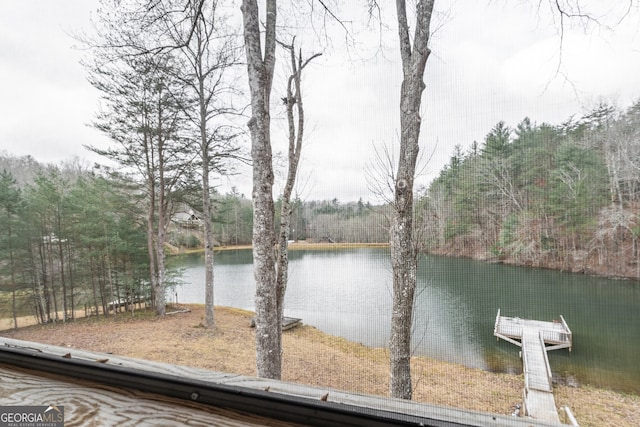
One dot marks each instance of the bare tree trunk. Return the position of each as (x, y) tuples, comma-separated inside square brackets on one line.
[(44, 280), (151, 191), (52, 288), (63, 280), (115, 302), (206, 208), (161, 236), (209, 320), (13, 276), (94, 288), (403, 252), (293, 99), (260, 74), (151, 248), (160, 292)]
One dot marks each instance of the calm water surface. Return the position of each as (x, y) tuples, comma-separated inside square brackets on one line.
[(348, 293)]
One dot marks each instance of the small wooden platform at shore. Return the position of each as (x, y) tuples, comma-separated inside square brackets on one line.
[(556, 334), (536, 338), (287, 323)]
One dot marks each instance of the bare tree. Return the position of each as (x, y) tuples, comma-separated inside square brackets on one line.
[(260, 68), (414, 54), (292, 101), (205, 47)]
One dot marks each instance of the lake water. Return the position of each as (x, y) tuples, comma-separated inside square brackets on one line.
[(348, 293)]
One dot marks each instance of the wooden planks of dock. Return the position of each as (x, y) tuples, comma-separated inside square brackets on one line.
[(536, 337)]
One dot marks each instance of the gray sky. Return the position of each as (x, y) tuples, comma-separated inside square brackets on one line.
[(490, 61)]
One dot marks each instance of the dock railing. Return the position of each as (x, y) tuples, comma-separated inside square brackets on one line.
[(569, 333), (560, 337), (506, 331), (546, 360), (525, 368)]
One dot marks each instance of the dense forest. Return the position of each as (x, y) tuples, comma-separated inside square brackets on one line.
[(68, 239), (74, 238), (560, 196)]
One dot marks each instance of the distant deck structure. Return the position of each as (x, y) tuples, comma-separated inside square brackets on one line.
[(536, 338)]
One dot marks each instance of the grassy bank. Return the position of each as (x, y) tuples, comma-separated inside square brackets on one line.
[(312, 357)]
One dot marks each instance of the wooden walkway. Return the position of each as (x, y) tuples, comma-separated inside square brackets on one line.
[(536, 338)]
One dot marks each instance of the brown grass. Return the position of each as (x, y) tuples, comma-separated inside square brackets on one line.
[(312, 357)]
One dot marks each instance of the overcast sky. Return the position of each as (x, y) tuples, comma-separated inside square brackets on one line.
[(491, 61)]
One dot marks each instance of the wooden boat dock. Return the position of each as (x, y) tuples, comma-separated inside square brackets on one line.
[(536, 338), (287, 323)]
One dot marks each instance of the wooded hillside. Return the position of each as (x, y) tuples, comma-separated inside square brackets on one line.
[(561, 196)]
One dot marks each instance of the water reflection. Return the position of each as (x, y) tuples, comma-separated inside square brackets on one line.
[(348, 293)]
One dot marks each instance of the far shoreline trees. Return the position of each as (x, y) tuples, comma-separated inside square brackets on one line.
[(72, 241), (559, 196)]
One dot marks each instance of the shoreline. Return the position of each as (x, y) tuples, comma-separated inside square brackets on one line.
[(301, 245), (294, 246), (553, 265), (313, 357)]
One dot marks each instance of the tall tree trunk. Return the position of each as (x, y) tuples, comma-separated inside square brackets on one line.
[(71, 282), (209, 320), (102, 282), (260, 74), (52, 287), (160, 301), (109, 277), (63, 279), (151, 247), (153, 277), (37, 304), (63, 284), (94, 288), (44, 277), (13, 274), (403, 252), (35, 283), (118, 294), (208, 241), (296, 134)]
